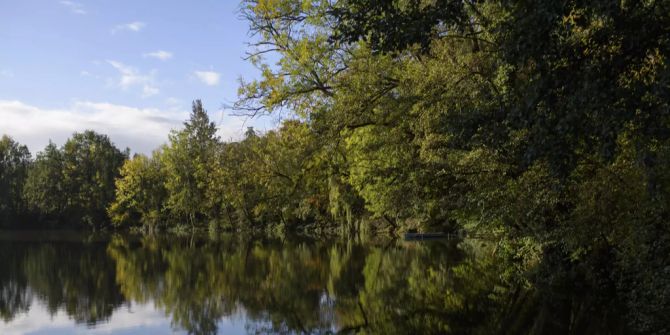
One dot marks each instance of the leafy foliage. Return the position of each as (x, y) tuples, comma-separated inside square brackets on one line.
[(14, 165), (74, 185), (189, 163), (140, 193)]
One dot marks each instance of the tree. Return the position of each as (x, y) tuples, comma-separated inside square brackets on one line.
[(15, 161), (533, 120), (140, 193), (74, 185), (44, 191), (392, 26), (190, 163), (91, 164)]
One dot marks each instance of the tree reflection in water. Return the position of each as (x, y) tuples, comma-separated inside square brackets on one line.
[(294, 285)]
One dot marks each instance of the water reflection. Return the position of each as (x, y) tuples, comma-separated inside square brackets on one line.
[(227, 284)]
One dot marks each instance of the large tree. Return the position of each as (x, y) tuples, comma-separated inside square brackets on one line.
[(545, 122)]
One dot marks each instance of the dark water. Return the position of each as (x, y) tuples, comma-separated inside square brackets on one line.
[(69, 284)]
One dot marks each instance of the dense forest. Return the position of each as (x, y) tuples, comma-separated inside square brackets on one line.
[(543, 125)]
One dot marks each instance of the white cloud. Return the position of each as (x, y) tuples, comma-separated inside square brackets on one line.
[(132, 26), (141, 129), (159, 54), (231, 128), (74, 7), (145, 317), (210, 78), (131, 77)]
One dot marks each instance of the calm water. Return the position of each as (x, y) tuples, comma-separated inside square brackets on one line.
[(74, 284)]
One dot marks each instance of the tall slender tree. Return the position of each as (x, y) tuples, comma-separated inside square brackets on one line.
[(190, 163)]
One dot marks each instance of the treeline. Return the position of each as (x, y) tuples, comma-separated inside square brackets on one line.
[(269, 181), (272, 181), (64, 187)]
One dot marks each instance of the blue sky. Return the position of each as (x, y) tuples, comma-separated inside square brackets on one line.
[(127, 68)]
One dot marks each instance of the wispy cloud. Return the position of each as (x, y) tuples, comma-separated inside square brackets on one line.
[(131, 77), (173, 102), (159, 54), (209, 78), (74, 7), (132, 26), (148, 91), (87, 74), (6, 73)]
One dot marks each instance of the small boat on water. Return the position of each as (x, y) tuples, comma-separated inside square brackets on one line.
[(413, 236)]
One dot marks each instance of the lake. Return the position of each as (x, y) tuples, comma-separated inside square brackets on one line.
[(67, 283)]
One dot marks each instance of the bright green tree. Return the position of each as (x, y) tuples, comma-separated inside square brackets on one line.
[(140, 193), (190, 162)]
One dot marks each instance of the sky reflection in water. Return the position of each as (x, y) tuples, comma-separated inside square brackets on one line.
[(119, 284)]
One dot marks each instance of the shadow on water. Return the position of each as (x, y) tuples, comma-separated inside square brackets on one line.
[(294, 285)]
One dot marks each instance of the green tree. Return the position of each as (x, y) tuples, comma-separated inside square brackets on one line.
[(91, 164), (74, 185), (44, 191), (15, 160), (140, 193), (535, 121), (190, 162)]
